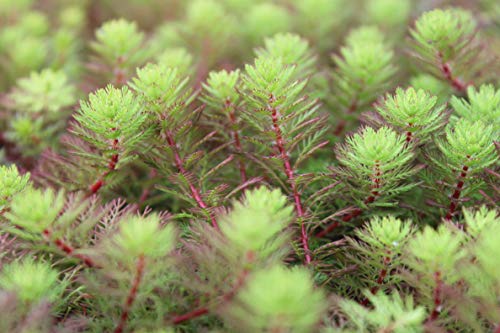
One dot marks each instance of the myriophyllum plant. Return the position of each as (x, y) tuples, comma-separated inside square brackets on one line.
[(446, 43), (40, 105), (414, 113), (119, 49), (166, 99), (286, 123), (375, 166), (12, 183), (465, 153), (224, 104), (364, 69), (249, 166), (111, 122)]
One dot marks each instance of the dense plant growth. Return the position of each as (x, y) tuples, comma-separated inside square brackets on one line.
[(249, 166)]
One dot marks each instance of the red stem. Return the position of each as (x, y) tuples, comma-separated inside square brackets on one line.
[(145, 193), (280, 144), (190, 315), (381, 277), (68, 249), (195, 193), (437, 297), (375, 184), (408, 137), (455, 82), (132, 294), (346, 218), (113, 161), (339, 129), (456, 194), (237, 142), (119, 74), (226, 297), (342, 124), (356, 212)]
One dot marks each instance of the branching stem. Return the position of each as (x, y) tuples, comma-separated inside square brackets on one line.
[(374, 193), (236, 138), (381, 277), (455, 82), (280, 144), (190, 315), (456, 194), (195, 193), (68, 249), (342, 124), (139, 273), (240, 282), (113, 161), (437, 297)]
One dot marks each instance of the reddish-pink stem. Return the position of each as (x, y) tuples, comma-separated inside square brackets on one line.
[(240, 282), (113, 161), (346, 218), (356, 212), (190, 315), (456, 194), (381, 277), (342, 124), (375, 184), (280, 144), (195, 193), (408, 137), (68, 249), (237, 142), (437, 297), (339, 129), (455, 82), (145, 193), (139, 273)]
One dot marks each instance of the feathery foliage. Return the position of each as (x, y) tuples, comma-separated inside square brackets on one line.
[(364, 70), (287, 302), (413, 112), (249, 166), (375, 164), (446, 43)]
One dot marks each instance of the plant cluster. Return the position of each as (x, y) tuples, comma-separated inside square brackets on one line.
[(249, 166)]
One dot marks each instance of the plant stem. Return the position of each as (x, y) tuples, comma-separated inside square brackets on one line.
[(147, 190), (236, 138), (381, 277), (455, 82), (195, 193), (342, 124), (374, 193), (375, 184), (190, 315), (437, 297), (409, 136), (280, 144), (240, 282), (113, 161), (132, 294), (68, 249), (456, 194), (346, 218)]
